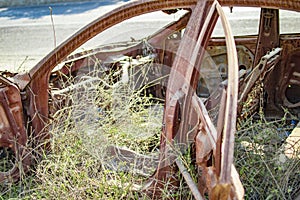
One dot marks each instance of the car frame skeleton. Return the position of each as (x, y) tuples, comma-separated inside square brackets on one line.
[(26, 107)]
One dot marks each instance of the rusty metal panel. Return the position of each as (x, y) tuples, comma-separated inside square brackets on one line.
[(13, 136)]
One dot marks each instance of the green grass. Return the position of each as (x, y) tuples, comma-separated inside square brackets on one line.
[(265, 171), (79, 166)]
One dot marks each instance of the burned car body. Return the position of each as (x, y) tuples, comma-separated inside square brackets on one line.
[(265, 62)]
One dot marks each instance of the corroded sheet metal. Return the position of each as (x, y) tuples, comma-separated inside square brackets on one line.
[(41, 72), (13, 136)]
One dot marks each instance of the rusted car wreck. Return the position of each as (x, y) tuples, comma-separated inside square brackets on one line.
[(266, 63)]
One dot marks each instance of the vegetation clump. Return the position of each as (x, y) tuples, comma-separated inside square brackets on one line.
[(81, 164)]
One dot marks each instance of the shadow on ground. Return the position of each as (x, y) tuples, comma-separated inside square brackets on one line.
[(35, 12)]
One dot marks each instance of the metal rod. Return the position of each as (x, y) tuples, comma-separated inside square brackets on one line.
[(189, 180)]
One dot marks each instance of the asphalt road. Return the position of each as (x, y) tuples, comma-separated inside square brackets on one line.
[(27, 34)]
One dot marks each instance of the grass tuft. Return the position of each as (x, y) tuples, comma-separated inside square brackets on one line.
[(102, 113)]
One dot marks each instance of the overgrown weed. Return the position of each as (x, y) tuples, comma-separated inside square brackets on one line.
[(265, 171), (100, 114)]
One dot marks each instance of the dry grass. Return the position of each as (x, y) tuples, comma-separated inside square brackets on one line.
[(79, 167), (266, 172)]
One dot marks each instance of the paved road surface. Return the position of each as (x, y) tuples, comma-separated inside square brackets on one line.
[(26, 33)]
